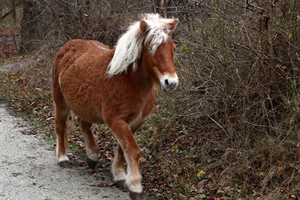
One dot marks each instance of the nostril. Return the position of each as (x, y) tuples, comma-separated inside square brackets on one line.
[(166, 82)]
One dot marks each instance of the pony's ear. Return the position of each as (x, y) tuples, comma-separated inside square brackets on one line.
[(172, 25), (143, 25)]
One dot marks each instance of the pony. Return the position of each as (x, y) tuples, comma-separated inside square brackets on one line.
[(116, 86)]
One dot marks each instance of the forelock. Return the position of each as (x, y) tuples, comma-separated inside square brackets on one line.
[(157, 32)]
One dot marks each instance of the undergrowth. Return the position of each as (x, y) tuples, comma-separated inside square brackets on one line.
[(230, 131), (181, 159)]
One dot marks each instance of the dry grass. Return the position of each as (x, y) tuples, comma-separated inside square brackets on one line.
[(191, 158), (231, 130)]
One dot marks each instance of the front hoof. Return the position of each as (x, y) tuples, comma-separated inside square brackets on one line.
[(135, 196), (91, 163), (65, 164)]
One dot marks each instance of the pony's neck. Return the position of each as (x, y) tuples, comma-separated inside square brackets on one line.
[(142, 78)]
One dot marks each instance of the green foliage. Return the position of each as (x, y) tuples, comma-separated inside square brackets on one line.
[(184, 50), (290, 36)]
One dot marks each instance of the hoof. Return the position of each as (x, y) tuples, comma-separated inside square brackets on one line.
[(135, 196), (64, 164), (91, 163), (121, 185)]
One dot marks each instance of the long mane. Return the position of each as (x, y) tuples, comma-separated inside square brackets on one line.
[(130, 45)]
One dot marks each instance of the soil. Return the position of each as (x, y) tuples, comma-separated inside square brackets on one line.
[(29, 170)]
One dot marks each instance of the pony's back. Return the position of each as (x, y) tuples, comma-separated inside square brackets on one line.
[(74, 49), (79, 69)]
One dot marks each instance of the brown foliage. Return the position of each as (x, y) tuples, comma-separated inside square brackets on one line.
[(9, 42), (232, 129)]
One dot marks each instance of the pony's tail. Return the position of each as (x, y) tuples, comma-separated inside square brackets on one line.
[(55, 71)]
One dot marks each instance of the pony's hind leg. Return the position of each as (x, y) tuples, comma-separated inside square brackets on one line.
[(118, 168), (91, 145), (62, 113)]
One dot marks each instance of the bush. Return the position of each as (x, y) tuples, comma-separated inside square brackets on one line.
[(232, 128)]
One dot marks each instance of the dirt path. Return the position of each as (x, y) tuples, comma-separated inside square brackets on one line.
[(29, 170)]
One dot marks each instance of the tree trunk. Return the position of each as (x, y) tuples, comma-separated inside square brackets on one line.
[(8, 13), (29, 26)]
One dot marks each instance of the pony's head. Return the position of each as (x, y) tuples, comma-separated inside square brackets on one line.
[(149, 39)]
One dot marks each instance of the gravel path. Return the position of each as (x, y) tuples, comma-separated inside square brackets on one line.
[(29, 170)]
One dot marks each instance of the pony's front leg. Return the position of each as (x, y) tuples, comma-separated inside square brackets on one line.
[(91, 145), (131, 151)]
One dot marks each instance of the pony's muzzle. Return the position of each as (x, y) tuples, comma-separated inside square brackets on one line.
[(169, 83)]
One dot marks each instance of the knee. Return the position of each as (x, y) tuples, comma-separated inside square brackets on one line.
[(136, 153), (133, 152)]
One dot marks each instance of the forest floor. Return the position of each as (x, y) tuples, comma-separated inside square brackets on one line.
[(35, 164), (29, 168), (180, 160)]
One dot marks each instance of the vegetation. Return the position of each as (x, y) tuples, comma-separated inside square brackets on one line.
[(231, 130)]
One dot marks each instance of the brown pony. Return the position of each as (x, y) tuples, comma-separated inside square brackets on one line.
[(116, 87)]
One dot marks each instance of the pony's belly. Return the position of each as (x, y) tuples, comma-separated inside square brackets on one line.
[(88, 115), (82, 98), (85, 109)]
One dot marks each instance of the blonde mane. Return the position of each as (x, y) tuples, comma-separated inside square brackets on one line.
[(130, 45)]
